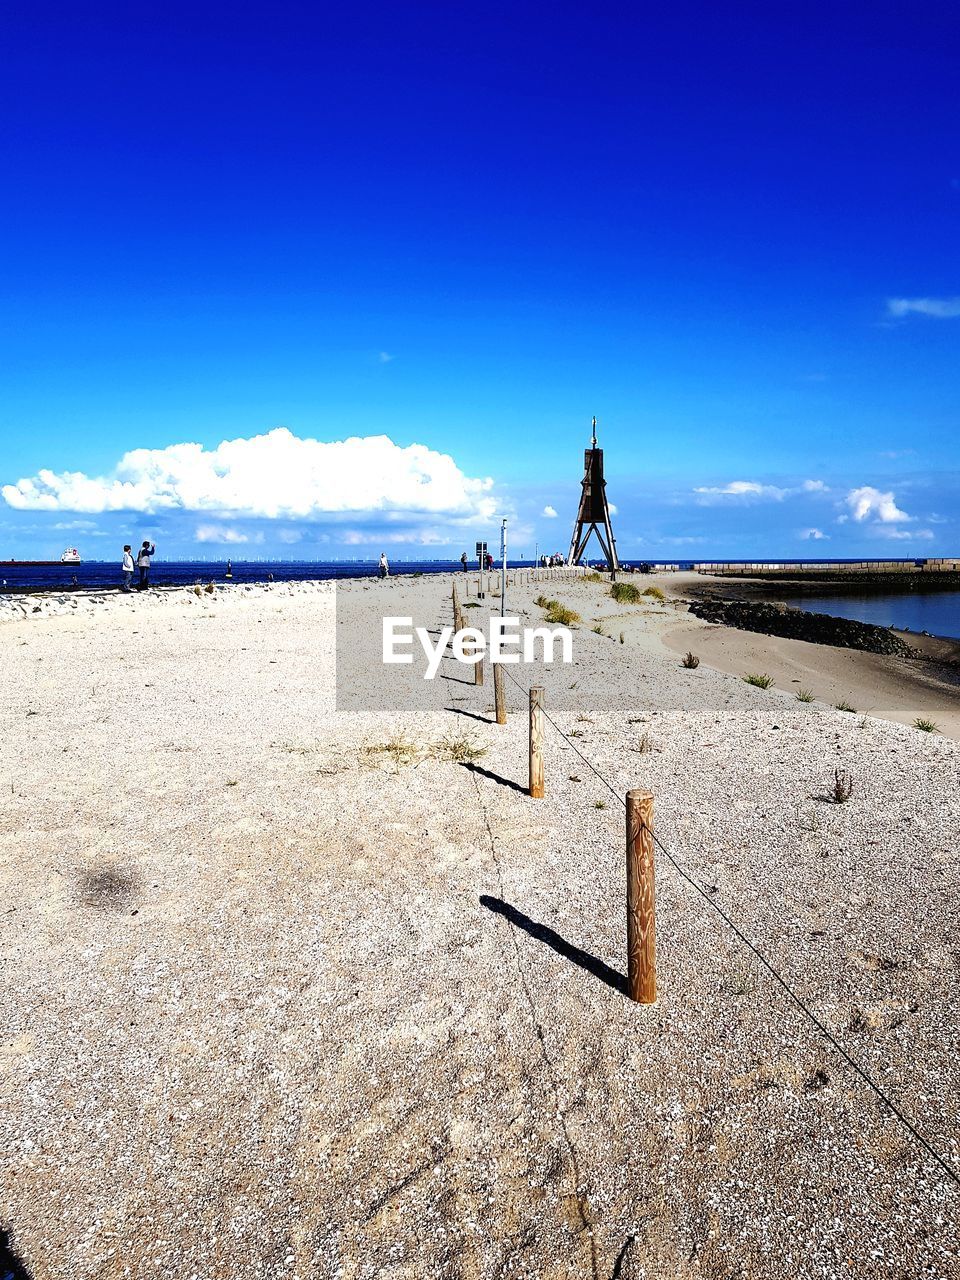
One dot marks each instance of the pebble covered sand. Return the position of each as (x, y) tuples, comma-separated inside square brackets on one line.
[(292, 992)]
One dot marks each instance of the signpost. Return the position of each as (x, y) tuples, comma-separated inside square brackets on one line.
[(481, 560)]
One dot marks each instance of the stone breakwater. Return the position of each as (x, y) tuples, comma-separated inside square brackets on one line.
[(16, 607), (795, 624)]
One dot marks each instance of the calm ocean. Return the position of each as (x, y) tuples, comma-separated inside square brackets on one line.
[(97, 573), (935, 611)]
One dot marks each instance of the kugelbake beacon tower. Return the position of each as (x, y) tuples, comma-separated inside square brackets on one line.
[(594, 513)]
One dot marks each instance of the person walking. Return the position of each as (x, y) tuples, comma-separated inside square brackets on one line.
[(127, 569), (383, 568), (147, 552)]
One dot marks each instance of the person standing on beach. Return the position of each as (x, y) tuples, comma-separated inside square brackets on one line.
[(147, 551), (463, 561), (383, 569), (127, 569)]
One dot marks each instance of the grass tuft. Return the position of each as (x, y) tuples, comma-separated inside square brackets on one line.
[(844, 706), (625, 593), (691, 661), (461, 749), (655, 593), (926, 726), (558, 613), (804, 695), (760, 681)]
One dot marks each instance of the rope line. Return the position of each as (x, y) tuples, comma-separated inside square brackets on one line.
[(767, 964)]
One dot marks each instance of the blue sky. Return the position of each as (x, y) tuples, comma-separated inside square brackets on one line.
[(453, 235)]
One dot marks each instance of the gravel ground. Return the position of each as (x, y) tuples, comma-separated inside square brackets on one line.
[(281, 1003)]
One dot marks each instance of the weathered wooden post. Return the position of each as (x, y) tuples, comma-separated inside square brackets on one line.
[(536, 743), (478, 667), (641, 900), (498, 695)]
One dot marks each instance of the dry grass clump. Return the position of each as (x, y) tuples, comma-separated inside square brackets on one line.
[(401, 751), (593, 577), (462, 749), (398, 749), (655, 593), (804, 695), (625, 593), (758, 680), (691, 661)]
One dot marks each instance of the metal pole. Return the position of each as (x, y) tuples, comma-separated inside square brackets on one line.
[(503, 549)]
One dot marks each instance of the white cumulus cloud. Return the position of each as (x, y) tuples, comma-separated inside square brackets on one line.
[(938, 308), (867, 503), (813, 534), (549, 512), (277, 474)]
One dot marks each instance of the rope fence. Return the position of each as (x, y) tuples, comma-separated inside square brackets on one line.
[(641, 838)]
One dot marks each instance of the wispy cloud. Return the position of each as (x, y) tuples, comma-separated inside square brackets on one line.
[(753, 490), (385, 357), (742, 489), (906, 535), (867, 503), (815, 535), (225, 534), (938, 308), (549, 512)]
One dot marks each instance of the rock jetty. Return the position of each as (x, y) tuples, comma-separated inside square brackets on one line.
[(796, 624)]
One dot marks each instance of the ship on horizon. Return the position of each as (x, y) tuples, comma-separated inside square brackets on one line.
[(70, 555)]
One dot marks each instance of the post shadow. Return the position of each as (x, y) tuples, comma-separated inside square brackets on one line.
[(458, 711), (543, 933), (492, 777), (11, 1264)]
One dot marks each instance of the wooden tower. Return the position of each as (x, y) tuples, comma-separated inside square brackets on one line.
[(594, 513)]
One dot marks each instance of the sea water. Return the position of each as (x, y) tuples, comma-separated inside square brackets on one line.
[(937, 612), (96, 574)]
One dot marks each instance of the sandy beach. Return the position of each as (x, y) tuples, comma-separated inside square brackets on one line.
[(298, 992)]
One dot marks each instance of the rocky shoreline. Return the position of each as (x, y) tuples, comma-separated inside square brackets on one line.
[(797, 624), (786, 583)]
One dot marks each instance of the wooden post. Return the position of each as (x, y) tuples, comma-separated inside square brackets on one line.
[(536, 743), (478, 670), (641, 900), (498, 695)]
